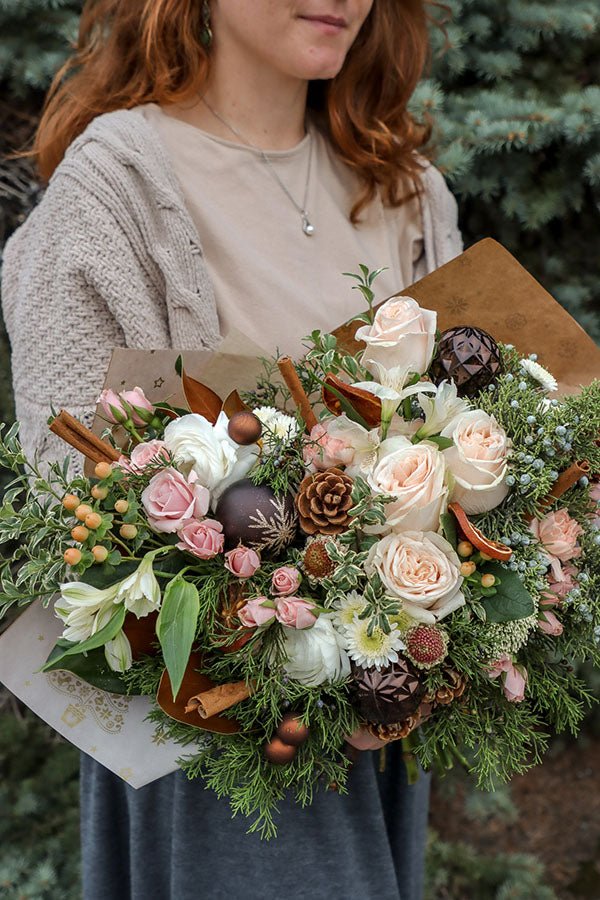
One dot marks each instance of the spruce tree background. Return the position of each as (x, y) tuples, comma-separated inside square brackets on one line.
[(514, 98)]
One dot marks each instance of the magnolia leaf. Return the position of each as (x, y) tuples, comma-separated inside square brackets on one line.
[(359, 405), (106, 634), (511, 601), (200, 398), (176, 627), (233, 403)]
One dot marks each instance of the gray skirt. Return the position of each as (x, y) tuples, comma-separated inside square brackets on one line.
[(173, 840)]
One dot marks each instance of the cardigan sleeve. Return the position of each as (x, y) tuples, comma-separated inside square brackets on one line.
[(74, 286), (441, 234)]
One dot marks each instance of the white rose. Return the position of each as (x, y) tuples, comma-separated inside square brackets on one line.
[(315, 655), (415, 474), (402, 335), (422, 569), (477, 461), (207, 449)]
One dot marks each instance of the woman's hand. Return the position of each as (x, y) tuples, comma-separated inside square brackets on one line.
[(362, 739)]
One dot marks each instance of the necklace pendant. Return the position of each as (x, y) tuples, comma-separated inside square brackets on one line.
[(307, 227)]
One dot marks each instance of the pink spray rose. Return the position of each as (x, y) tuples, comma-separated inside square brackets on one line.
[(170, 500), (145, 454), (204, 538), (559, 587), (557, 532), (243, 561), (323, 451), (114, 408), (253, 614), (549, 624), (295, 612), (286, 580), (514, 678)]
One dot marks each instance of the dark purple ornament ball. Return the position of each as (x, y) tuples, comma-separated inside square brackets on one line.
[(468, 356), (252, 514)]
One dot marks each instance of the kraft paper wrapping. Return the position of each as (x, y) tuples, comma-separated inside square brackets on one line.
[(485, 287)]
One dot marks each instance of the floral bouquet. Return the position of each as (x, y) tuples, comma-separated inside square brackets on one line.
[(399, 543)]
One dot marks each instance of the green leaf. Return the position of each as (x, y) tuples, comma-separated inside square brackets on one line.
[(512, 599), (176, 627), (91, 667), (443, 443), (106, 634), (448, 523)]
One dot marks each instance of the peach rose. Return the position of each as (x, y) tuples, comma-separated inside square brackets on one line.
[(549, 624), (254, 614), (242, 561), (294, 612), (402, 334), (415, 475), (170, 500), (145, 454), (557, 532), (203, 539), (323, 451), (477, 461), (285, 581), (422, 569), (559, 587), (514, 678)]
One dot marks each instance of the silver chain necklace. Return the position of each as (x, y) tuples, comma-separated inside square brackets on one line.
[(307, 227)]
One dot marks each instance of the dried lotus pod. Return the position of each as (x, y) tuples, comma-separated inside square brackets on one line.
[(323, 501)]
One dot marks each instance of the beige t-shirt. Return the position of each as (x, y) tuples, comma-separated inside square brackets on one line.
[(271, 281)]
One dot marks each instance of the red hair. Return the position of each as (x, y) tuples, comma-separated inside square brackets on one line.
[(131, 52)]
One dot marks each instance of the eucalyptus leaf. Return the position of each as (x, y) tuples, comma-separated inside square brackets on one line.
[(511, 601), (176, 627)]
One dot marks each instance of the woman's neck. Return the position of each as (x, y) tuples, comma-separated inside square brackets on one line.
[(266, 108)]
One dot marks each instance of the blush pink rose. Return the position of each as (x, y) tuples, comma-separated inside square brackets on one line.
[(295, 612), (170, 500), (559, 587), (145, 454), (112, 406), (254, 615), (204, 538), (242, 562), (323, 451), (286, 580), (549, 624), (557, 532), (514, 678), (116, 410)]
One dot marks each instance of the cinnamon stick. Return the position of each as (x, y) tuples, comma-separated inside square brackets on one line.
[(218, 699), (74, 433), (291, 378), (566, 480)]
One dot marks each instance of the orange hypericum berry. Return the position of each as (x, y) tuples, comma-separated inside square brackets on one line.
[(82, 511), (70, 502), (465, 548), (80, 533), (102, 470), (488, 580), (128, 532), (121, 506), (99, 553), (72, 556), (467, 568), (99, 493), (93, 520)]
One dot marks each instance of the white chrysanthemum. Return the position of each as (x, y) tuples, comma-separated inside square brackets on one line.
[(346, 608), (378, 650), (276, 424), (540, 374)]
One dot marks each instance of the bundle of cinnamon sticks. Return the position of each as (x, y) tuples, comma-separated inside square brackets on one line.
[(74, 433)]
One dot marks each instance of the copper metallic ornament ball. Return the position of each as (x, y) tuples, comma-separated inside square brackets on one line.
[(292, 730), (244, 428), (279, 753)]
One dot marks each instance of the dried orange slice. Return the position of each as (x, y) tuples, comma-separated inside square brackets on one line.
[(491, 548)]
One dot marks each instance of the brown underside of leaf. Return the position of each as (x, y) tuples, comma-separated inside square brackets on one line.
[(200, 398), (366, 405), (193, 683)]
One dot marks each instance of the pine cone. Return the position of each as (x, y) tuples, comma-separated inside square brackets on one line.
[(323, 501), (453, 690)]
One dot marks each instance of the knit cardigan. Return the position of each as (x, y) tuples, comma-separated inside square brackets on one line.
[(109, 258)]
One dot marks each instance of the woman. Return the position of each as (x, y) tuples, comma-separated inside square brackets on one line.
[(215, 165)]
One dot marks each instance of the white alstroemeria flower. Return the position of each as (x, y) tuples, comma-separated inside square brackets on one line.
[(545, 378), (140, 591), (391, 388), (364, 443), (440, 409), (118, 653), (84, 609)]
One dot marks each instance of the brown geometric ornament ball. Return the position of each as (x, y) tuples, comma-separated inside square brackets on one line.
[(469, 356)]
